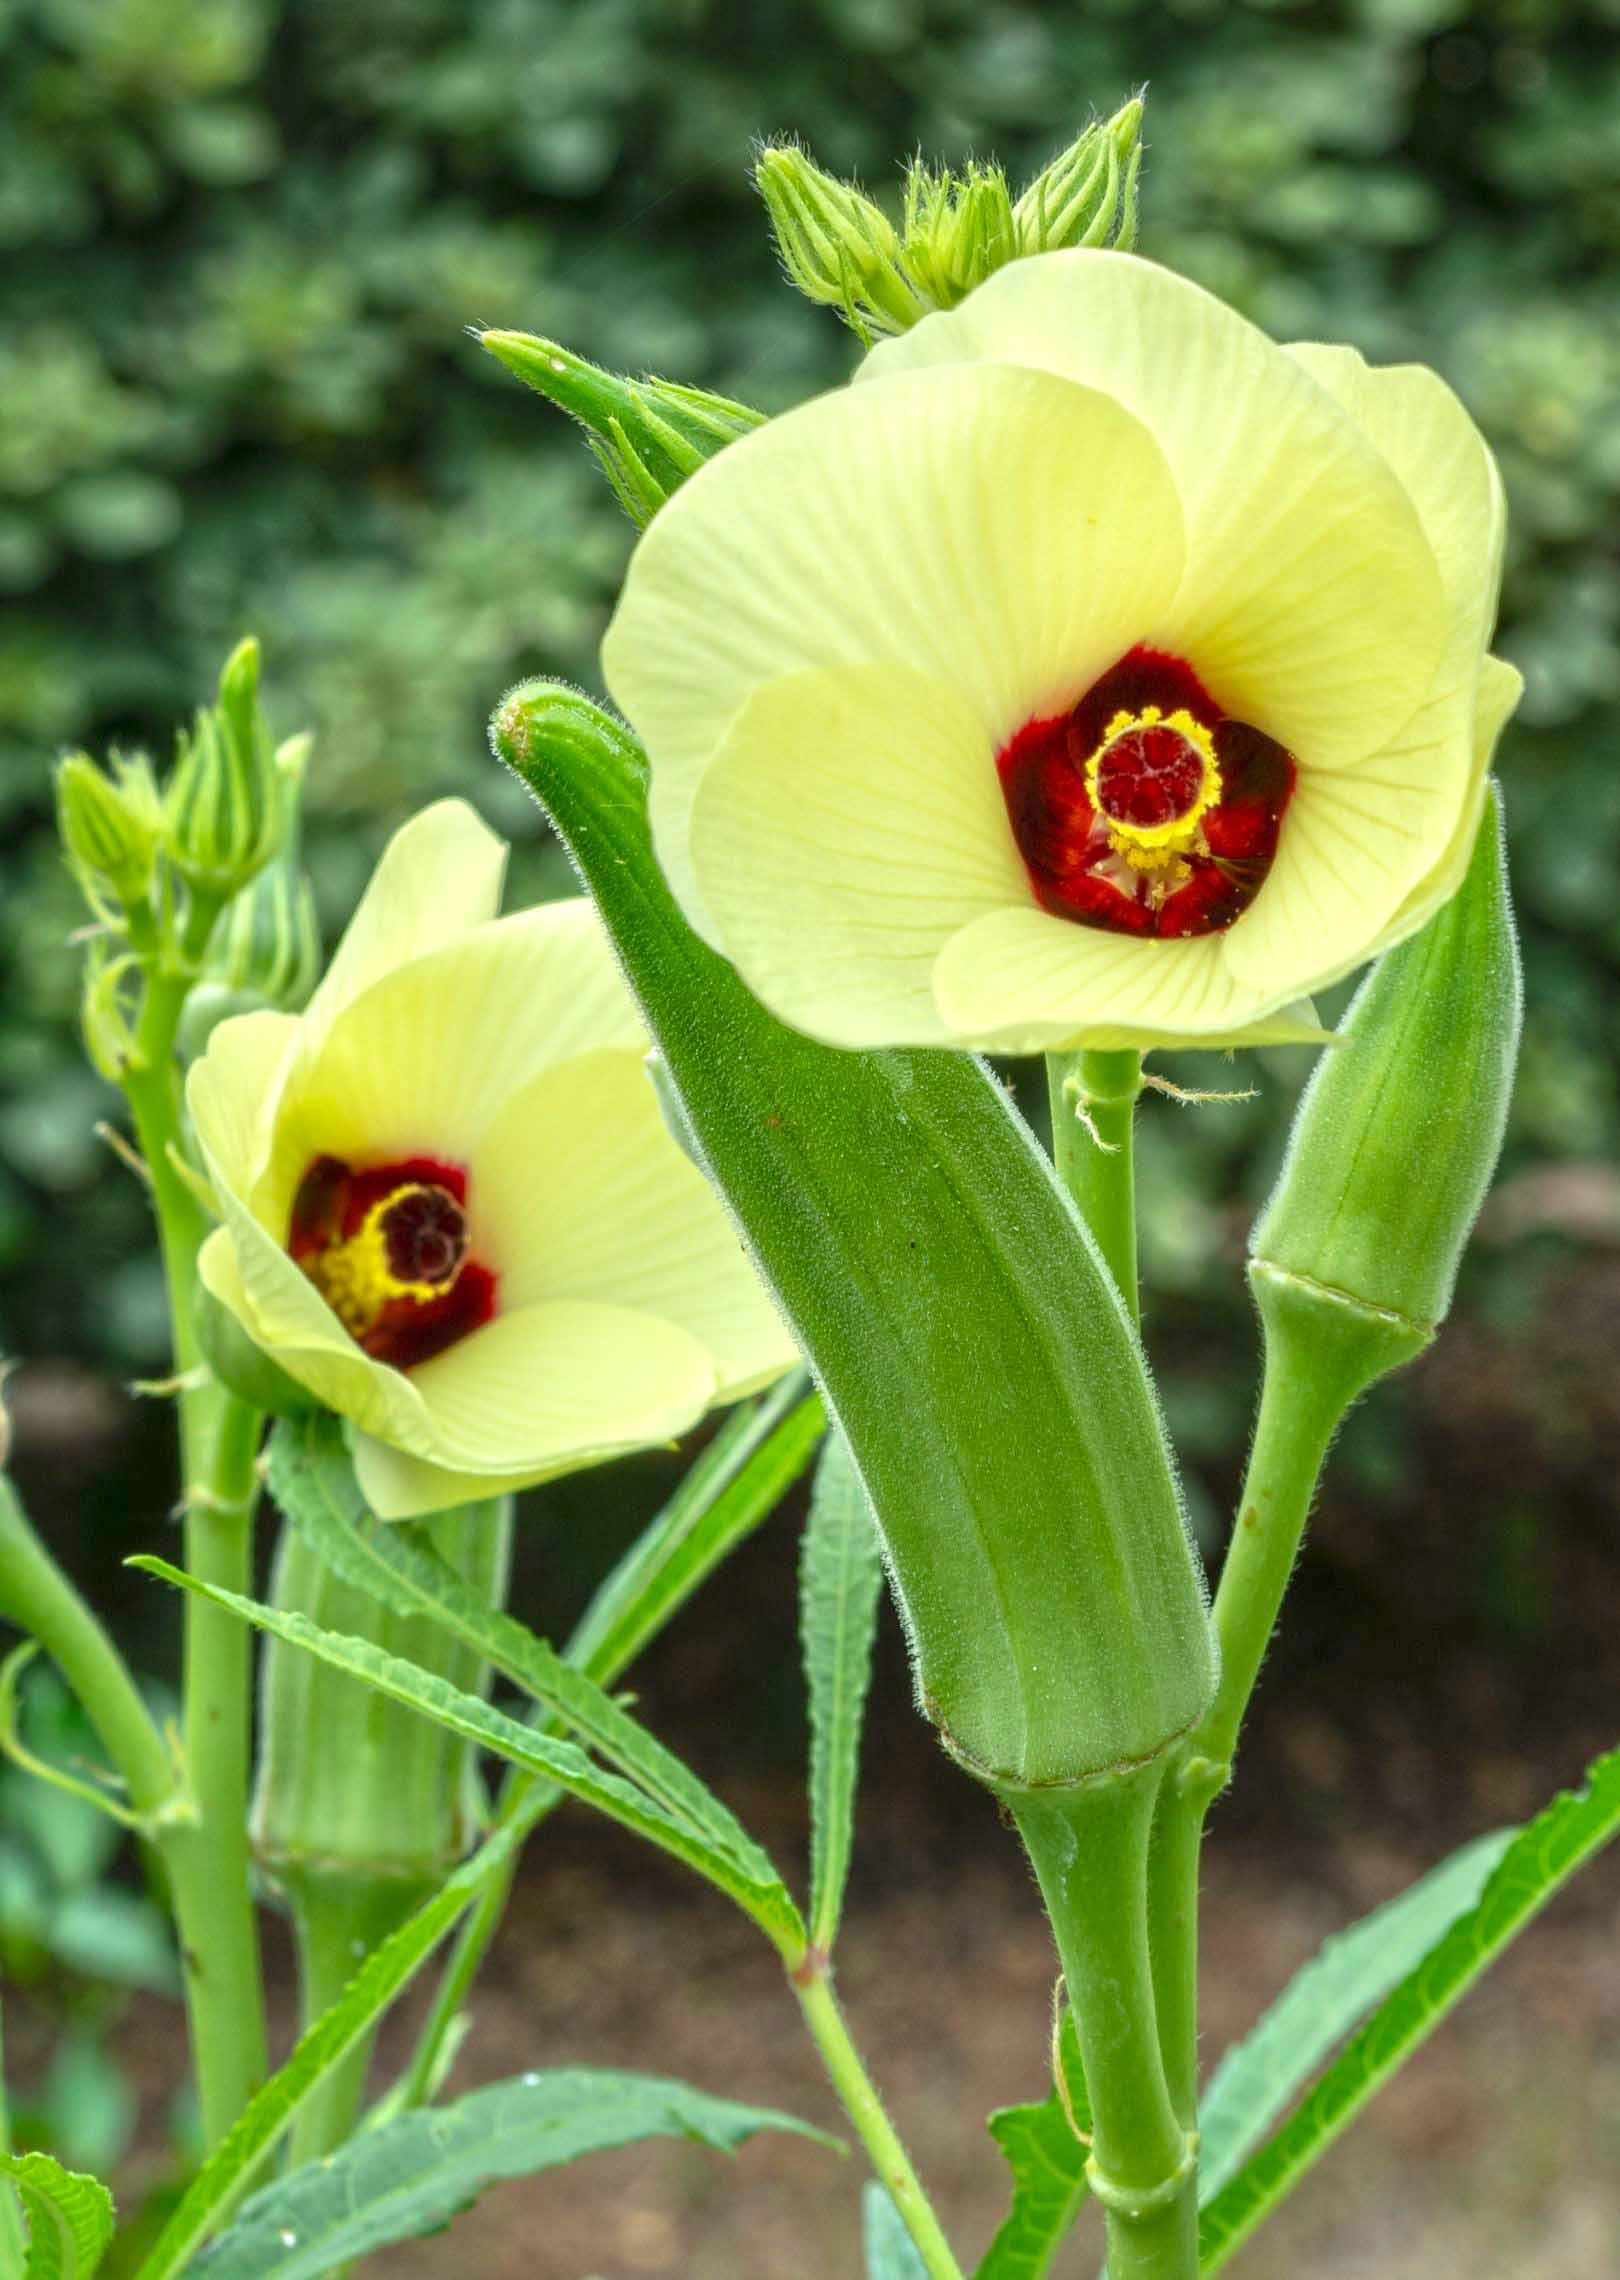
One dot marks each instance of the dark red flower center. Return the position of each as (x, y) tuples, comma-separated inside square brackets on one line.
[(387, 1248), (1147, 809)]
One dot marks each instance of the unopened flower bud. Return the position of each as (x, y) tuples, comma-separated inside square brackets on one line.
[(224, 802), (111, 825), (648, 435), (1397, 1136), (958, 229), (1087, 195), (838, 247)]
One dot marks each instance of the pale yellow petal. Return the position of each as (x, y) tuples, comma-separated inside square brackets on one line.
[(579, 1193), (438, 877), (849, 825), (423, 1060), (1311, 601), (1022, 981), (233, 1089), (1441, 458), (398, 1486), (1003, 532), (1500, 687), (557, 1384)]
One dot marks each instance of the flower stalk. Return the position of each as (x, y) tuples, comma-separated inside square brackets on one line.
[(1093, 1099)]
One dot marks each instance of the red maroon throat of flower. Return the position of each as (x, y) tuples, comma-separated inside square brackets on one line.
[(387, 1248), (1146, 809)]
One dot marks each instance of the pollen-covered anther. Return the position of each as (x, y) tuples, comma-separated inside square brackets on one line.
[(1152, 779)]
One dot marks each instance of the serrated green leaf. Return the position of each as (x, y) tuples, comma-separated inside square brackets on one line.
[(840, 1577), (761, 1896), (1048, 2162), (312, 1477), (891, 2253), (739, 1479), (69, 2216), (323, 2046), (1324, 2001), (412, 2175), (1539, 1860)]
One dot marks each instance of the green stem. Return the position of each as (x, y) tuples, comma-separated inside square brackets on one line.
[(218, 1444), (336, 1923), (1309, 1382), (39, 1599), (858, 2095), (1089, 1847), (1093, 1098)]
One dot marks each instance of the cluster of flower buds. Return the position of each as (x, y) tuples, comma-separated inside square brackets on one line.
[(204, 868), (841, 250)]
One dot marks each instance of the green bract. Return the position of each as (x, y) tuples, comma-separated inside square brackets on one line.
[(111, 826), (959, 1318), (648, 435), (225, 800), (1398, 1132)]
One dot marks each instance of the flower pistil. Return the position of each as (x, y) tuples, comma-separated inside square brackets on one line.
[(387, 1248)]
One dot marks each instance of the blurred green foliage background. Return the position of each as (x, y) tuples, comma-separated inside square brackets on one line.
[(239, 243)]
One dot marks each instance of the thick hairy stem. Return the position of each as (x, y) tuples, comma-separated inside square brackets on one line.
[(1089, 1847)]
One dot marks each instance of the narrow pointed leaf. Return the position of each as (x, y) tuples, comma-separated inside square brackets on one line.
[(413, 2175), (736, 1483), (761, 1895), (385, 1972), (313, 1479), (891, 2253), (69, 2216), (1539, 1861), (1323, 2002), (1048, 2162), (840, 1577)]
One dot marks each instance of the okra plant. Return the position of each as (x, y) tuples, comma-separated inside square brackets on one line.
[(1091, 676)]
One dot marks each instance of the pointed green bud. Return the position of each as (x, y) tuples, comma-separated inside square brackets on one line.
[(1397, 1136), (268, 946), (959, 228), (1087, 195), (648, 435), (224, 802), (837, 246), (111, 826)]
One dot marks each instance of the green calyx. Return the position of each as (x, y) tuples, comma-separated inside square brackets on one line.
[(957, 1316), (1397, 1135), (111, 824), (224, 803), (957, 227), (384, 1798), (648, 435)]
